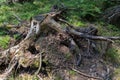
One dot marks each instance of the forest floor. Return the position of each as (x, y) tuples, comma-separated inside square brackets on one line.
[(100, 66)]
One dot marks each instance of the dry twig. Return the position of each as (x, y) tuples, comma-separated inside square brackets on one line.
[(86, 75)]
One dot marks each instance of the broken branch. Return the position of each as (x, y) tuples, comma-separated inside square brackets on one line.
[(86, 75), (79, 34)]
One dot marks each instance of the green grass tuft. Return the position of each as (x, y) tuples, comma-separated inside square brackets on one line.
[(4, 41)]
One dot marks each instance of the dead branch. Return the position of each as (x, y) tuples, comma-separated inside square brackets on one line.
[(86, 75), (79, 34), (113, 38), (40, 63)]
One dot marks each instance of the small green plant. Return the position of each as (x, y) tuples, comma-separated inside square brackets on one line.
[(16, 36), (4, 41), (71, 72)]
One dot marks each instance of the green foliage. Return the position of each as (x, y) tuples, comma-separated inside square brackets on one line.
[(110, 3), (4, 38), (2, 1), (4, 41), (24, 11), (71, 72), (86, 9), (90, 9), (112, 55), (16, 36), (107, 29), (5, 15), (2, 31)]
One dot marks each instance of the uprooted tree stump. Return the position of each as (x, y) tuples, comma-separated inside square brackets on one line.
[(62, 48)]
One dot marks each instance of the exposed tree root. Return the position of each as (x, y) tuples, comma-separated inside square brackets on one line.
[(40, 63), (86, 75)]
